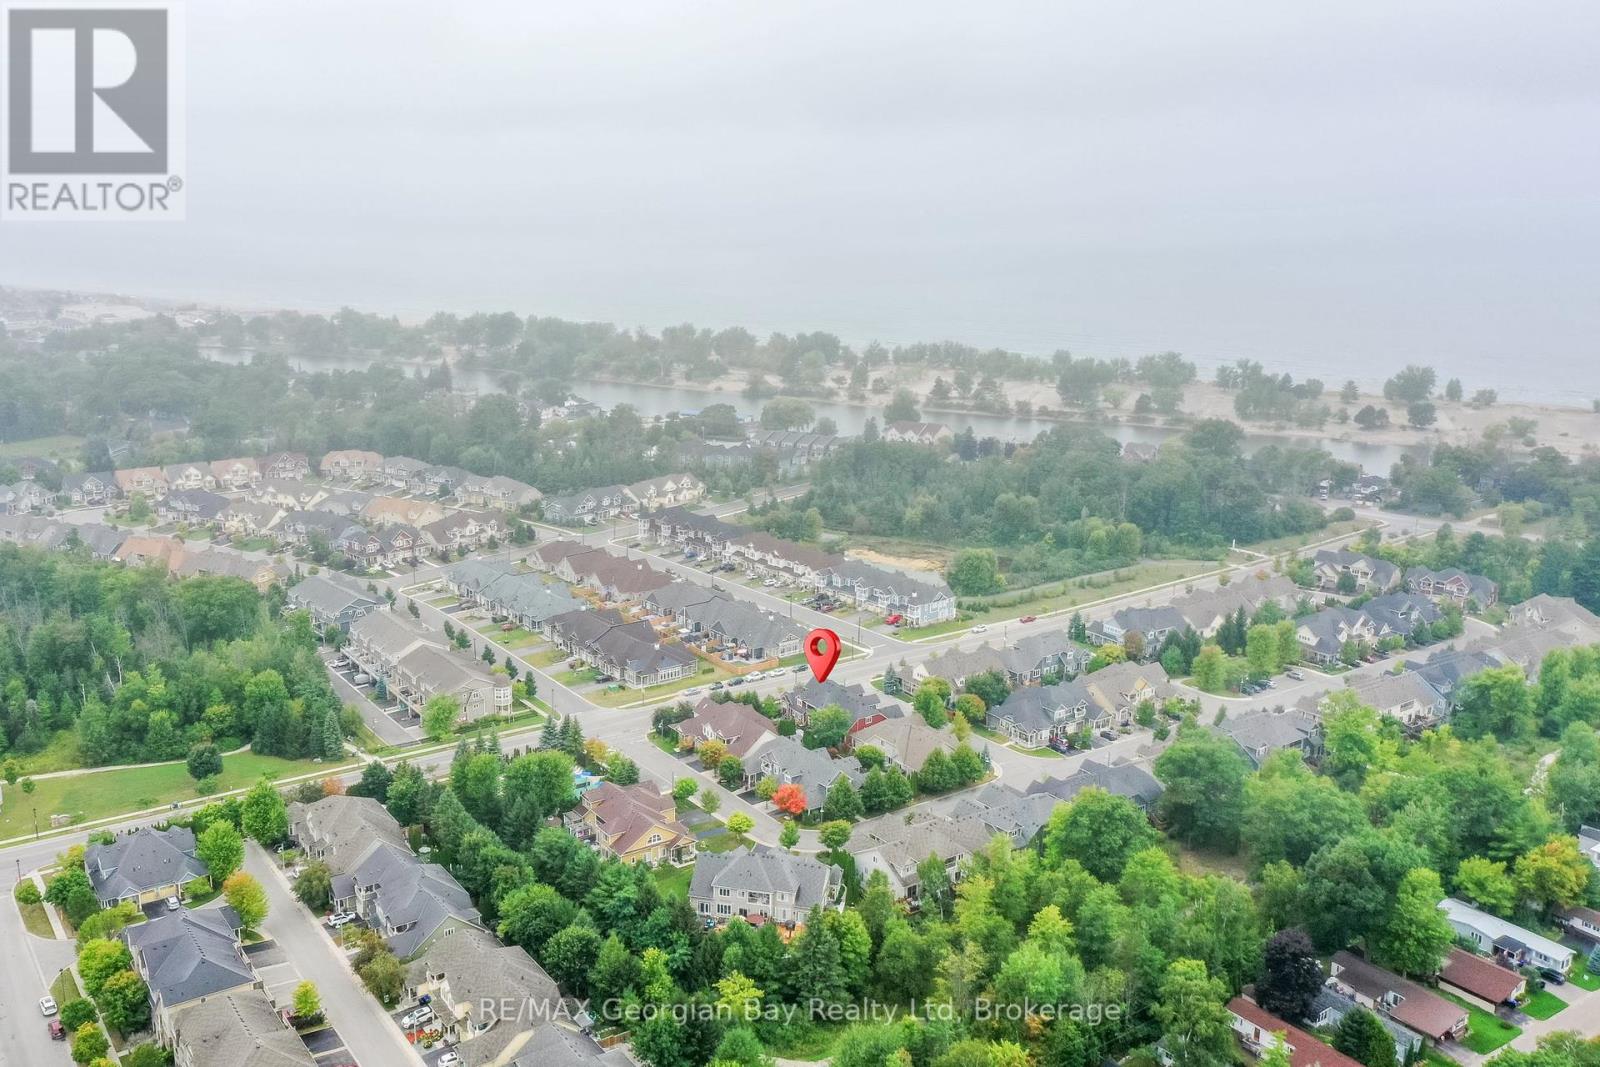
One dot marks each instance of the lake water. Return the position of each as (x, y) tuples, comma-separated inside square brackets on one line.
[(654, 400)]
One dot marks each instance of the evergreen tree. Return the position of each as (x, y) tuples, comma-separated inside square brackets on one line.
[(1361, 1036)]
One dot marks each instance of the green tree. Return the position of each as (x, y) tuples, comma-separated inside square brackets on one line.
[(307, 1002), (124, 1002), (570, 955), (828, 726), (1485, 883), (98, 960), (789, 836), (1415, 935), (1209, 669), (313, 886), (1555, 874), (440, 715), (1098, 830), (1190, 1008), (204, 761), (740, 824), (265, 817), (221, 849), (1362, 1036), (1204, 775), (834, 834), (88, 1044), (842, 801), (245, 896), (974, 572)]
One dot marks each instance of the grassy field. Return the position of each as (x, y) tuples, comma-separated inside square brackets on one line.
[(547, 658), (34, 917), (1585, 979), (65, 988), (87, 797), (1064, 595), (1485, 1032), (1293, 541), (1543, 1004), (60, 446), (674, 881), (61, 754)]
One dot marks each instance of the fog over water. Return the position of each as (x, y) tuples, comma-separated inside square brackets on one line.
[(1332, 190)]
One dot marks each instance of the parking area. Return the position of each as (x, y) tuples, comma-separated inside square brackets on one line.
[(394, 723), (279, 976)]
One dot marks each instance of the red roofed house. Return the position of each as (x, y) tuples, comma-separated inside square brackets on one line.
[(1480, 980), (735, 724), (1403, 1000), (1257, 1030), (631, 823)]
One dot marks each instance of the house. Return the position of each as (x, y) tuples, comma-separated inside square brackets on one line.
[(865, 705), (1561, 614), (1324, 635), (1152, 625), (1403, 1000), (1257, 1031), (1366, 574), (761, 553), (1447, 669), (763, 881), (189, 476), (1481, 981), (1506, 942), (1003, 808), (1585, 922), (101, 541), (241, 1028), (957, 665), (906, 742), (741, 632), (670, 490), (397, 510), (704, 535), (288, 493), (234, 474), (24, 496), (460, 531), (498, 491), (550, 1044), (35, 468), (193, 506), (1261, 732), (226, 563), (475, 984), (245, 519), (1205, 611), (443, 480), (151, 481), (404, 472), (186, 957), (680, 604), (631, 823), (350, 464), (143, 865), (331, 603), (734, 723), (429, 670), (379, 548), (789, 762), (526, 600), (617, 580), (917, 433), (1050, 654), (899, 842), (1453, 584), (919, 601), (638, 661), (284, 465), (1589, 843), (1401, 614), (551, 554), (340, 831), (1330, 1007), (93, 489), (1037, 715), (1406, 697), (1121, 779), (1120, 688), (408, 902), (587, 506)]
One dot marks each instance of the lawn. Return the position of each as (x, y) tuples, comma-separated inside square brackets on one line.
[(58, 447), (61, 754), (674, 881), (1585, 979), (1485, 1032), (629, 697), (1543, 1004), (723, 842), (806, 1040), (34, 917), (578, 677), (443, 602), (993, 735), (938, 629), (548, 658), (1042, 753), (1062, 596), (88, 797), (65, 988), (1333, 529)]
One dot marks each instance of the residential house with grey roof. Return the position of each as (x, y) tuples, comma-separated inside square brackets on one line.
[(790, 762), (407, 901), (1036, 715), (734, 723), (865, 705), (1406, 697), (1509, 944), (899, 842), (475, 984), (195, 506), (331, 602), (1466, 591), (741, 632), (185, 957), (920, 600), (1589, 843), (668, 490), (1151, 624), (1120, 779), (1447, 669), (242, 1028), (340, 831), (765, 881), (1049, 653), (143, 865), (956, 665), (1261, 732), (1323, 636), (1003, 808), (906, 742), (90, 489), (1367, 574), (587, 506)]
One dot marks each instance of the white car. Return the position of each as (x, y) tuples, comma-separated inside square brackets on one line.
[(979, 629), (449, 1059), (336, 921), (173, 903), (770, 582), (754, 676), (47, 1006), (416, 1017)]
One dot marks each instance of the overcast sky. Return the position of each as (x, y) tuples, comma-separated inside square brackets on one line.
[(1354, 186)]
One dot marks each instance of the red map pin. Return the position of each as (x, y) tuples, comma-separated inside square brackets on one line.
[(822, 652)]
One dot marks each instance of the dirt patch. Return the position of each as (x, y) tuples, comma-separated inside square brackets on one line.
[(930, 563)]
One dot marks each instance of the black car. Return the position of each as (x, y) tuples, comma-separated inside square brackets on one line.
[(1553, 976)]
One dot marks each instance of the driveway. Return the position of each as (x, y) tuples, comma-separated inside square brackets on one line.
[(310, 954)]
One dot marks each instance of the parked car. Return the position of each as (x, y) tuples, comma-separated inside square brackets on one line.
[(754, 676), (57, 1031), (801, 669), (416, 1017), (1553, 976), (1029, 618), (449, 1059), (173, 903), (895, 619), (47, 1006), (770, 582), (1297, 675), (717, 685), (340, 919), (735, 681), (979, 629)]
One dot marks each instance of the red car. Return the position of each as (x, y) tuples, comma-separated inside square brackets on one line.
[(894, 620), (1029, 618)]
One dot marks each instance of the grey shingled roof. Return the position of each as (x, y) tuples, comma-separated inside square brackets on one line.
[(189, 954), (479, 969), (764, 869), (240, 1029), (421, 896), (347, 827), (1123, 780), (143, 860)]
